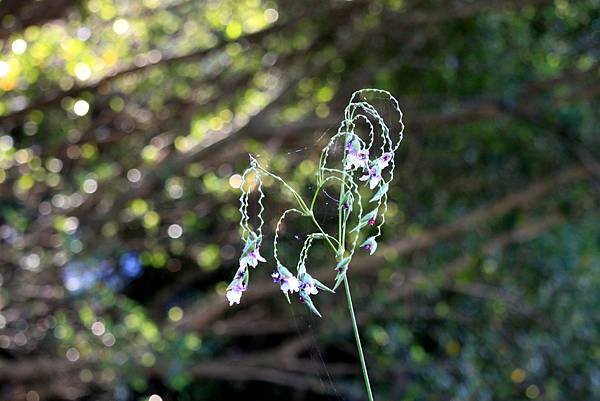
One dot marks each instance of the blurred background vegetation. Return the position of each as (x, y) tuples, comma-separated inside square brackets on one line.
[(124, 125)]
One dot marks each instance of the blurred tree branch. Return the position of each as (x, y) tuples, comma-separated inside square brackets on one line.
[(28, 13)]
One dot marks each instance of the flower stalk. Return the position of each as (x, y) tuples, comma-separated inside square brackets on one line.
[(361, 356), (341, 227)]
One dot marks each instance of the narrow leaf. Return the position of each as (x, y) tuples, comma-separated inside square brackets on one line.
[(311, 306), (338, 279), (382, 191), (323, 287), (365, 220), (343, 264)]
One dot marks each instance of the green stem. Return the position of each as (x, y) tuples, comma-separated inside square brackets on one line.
[(363, 364), (285, 184), (341, 251), (312, 216)]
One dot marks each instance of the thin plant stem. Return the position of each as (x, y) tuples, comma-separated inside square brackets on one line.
[(312, 216), (342, 248), (363, 364)]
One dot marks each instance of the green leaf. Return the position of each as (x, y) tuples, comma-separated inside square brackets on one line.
[(338, 279), (343, 264), (382, 191), (341, 268), (284, 270), (322, 286), (308, 302), (251, 243), (301, 270), (365, 220)]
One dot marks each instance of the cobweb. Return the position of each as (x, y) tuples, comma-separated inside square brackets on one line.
[(291, 240), (315, 354)]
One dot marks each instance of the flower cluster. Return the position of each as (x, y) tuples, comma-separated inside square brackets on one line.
[(250, 257), (374, 170), (368, 159), (358, 158)]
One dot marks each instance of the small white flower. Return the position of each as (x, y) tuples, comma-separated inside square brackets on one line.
[(307, 285), (234, 296), (287, 281), (370, 245), (356, 159), (235, 291), (384, 160), (290, 284), (373, 176), (251, 259), (311, 289)]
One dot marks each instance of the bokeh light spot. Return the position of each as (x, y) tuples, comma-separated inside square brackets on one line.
[(90, 186), (98, 328), (131, 264), (175, 313), (271, 15), (86, 375), (518, 375), (72, 354), (175, 231), (235, 181), (6, 142), (532, 391), (134, 175), (19, 46), (81, 107), (4, 69), (83, 71), (108, 339), (121, 26), (233, 30)]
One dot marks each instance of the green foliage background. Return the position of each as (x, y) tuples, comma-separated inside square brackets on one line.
[(124, 126)]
